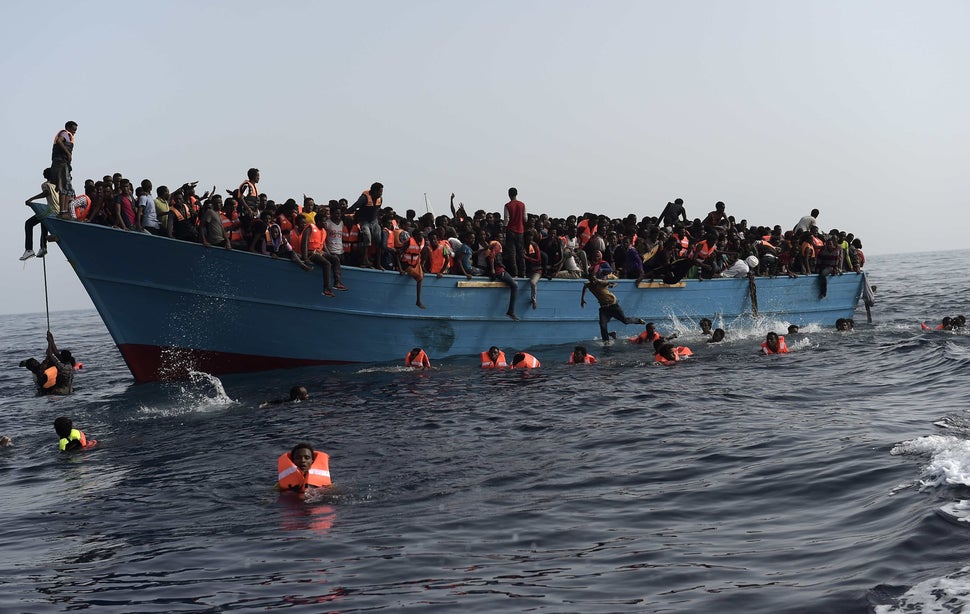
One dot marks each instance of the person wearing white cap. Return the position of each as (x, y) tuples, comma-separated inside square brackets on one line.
[(741, 268)]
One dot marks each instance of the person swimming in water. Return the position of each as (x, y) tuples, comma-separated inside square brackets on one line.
[(297, 394), (70, 438), (303, 468)]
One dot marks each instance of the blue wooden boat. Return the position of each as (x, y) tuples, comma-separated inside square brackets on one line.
[(173, 306)]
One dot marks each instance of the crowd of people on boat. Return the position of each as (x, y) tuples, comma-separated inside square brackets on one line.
[(503, 245)]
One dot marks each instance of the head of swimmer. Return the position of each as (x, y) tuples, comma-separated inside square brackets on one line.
[(302, 456)]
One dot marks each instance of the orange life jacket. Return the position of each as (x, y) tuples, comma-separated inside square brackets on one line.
[(370, 201), (412, 255), (421, 360), (587, 360), (498, 364), (528, 362), (584, 231), (645, 338), (439, 259), (350, 237), (782, 346), (679, 351), (296, 239), (51, 374), (318, 237), (703, 251), (231, 226), (82, 207), (291, 478)]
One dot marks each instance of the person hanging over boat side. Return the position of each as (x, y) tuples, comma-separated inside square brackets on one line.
[(496, 270), (609, 305), (48, 191), (409, 255)]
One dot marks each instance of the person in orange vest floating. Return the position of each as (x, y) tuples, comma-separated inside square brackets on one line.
[(70, 438), (774, 344), (523, 360), (650, 335), (669, 354), (581, 357), (303, 468), (494, 358), (418, 359)]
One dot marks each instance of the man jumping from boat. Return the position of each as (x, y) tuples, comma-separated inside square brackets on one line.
[(609, 305)]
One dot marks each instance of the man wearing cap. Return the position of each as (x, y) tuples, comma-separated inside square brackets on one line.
[(741, 268)]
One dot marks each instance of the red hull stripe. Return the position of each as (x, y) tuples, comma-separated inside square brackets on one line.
[(150, 363)]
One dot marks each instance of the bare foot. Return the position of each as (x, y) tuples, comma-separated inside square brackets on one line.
[(420, 305), (513, 316)]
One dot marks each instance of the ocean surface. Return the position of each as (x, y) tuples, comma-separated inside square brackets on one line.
[(832, 479)]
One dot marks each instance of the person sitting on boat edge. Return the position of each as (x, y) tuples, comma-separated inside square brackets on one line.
[(48, 191), (70, 438), (580, 356), (774, 344), (303, 468), (668, 354), (493, 358), (418, 359), (609, 305), (496, 270), (211, 231), (409, 257), (312, 248), (524, 360)]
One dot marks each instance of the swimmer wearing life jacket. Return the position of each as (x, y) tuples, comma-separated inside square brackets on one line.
[(774, 344), (668, 354), (303, 468), (70, 438), (494, 358), (946, 324), (581, 357), (418, 359), (523, 360)]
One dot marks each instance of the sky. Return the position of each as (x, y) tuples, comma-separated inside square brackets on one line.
[(857, 108)]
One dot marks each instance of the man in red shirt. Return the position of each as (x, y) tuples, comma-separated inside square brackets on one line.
[(515, 227)]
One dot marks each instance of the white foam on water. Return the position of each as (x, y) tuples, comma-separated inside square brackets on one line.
[(943, 594), (202, 392), (949, 462)]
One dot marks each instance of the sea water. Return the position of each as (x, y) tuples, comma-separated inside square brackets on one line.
[(832, 479)]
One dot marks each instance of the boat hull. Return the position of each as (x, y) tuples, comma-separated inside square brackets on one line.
[(173, 306)]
